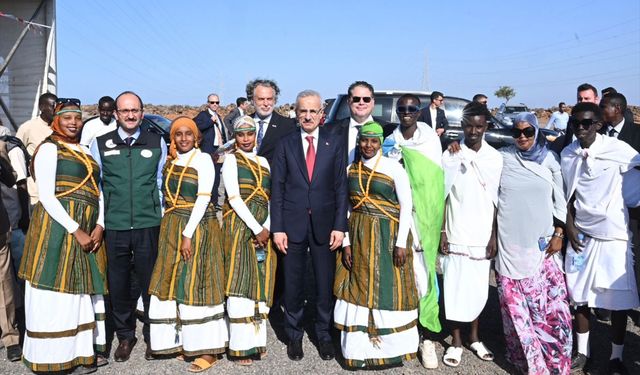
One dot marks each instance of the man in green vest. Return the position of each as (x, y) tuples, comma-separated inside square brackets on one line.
[(131, 162)]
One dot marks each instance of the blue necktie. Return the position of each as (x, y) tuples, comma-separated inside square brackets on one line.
[(260, 133), (128, 141)]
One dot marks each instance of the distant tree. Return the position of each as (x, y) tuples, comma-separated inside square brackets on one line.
[(506, 92)]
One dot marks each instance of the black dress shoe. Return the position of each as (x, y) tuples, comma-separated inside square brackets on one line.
[(294, 350), (616, 367), (123, 352), (602, 315), (148, 355), (325, 348), (14, 353)]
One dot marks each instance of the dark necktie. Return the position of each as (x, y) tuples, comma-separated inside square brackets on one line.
[(260, 133), (128, 141), (356, 151), (612, 132), (311, 156)]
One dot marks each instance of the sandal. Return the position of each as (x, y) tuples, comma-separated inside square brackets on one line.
[(180, 357), (453, 356), (101, 360), (244, 361), (201, 364), (481, 351)]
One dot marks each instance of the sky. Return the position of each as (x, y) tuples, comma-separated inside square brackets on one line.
[(177, 52)]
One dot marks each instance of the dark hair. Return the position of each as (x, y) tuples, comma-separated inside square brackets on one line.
[(475, 109), (240, 101), (587, 86), (587, 107), (251, 87), (42, 100), (359, 83), (477, 97), (617, 99), (409, 96), (608, 90), (105, 100), (561, 104), (129, 93), (436, 94)]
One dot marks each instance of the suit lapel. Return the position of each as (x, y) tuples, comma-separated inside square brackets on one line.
[(300, 157), (271, 130)]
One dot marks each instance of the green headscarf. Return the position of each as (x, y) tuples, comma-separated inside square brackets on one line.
[(371, 129)]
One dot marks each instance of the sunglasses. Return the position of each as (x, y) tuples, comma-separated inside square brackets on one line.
[(528, 132), (72, 101), (213, 102), (586, 123), (356, 99), (408, 109)]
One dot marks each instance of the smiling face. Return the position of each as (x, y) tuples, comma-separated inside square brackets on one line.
[(523, 142), (129, 112), (585, 127), (309, 112), (106, 110), (369, 146), (358, 105), (245, 140), (70, 122), (408, 110), (474, 128), (184, 139), (264, 99)]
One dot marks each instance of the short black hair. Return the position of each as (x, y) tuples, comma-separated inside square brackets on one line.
[(475, 109), (42, 100), (588, 86), (106, 99), (359, 83), (608, 90), (130, 93), (477, 97), (409, 96), (436, 94), (561, 104), (587, 107), (240, 101), (617, 99)]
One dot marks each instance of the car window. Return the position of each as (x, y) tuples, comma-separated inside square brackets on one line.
[(453, 109), (510, 109), (383, 108)]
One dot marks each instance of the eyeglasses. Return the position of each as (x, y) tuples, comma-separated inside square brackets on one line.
[(214, 102), (528, 132), (586, 123), (366, 99), (407, 109), (312, 112), (126, 112), (72, 101)]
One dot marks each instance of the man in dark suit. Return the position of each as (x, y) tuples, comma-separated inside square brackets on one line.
[(433, 115), (271, 126), (242, 104), (309, 211), (361, 103)]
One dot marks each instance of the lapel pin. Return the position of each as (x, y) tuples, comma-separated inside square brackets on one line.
[(273, 125), (326, 143)]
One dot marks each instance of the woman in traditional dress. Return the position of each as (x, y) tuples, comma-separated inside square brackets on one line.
[(531, 286), (186, 311), (64, 261), (250, 264), (375, 285)]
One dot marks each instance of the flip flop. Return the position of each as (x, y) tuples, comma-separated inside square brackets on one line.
[(200, 365), (481, 351), (101, 360), (244, 362), (453, 356)]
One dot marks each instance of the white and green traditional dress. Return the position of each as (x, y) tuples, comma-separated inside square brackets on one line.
[(186, 311), (377, 306), (64, 285), (250, 280)]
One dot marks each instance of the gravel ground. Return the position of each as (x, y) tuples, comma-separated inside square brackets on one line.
[(277, 362)]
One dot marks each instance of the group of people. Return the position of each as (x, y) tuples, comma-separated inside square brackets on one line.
[(121, 215)]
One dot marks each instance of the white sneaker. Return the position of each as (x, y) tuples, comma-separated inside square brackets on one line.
[(428, 354)]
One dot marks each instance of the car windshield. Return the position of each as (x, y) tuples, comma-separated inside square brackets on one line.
[(162, 122), (511, 109)]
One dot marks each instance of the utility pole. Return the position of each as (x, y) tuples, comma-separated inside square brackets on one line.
[(425, 73)]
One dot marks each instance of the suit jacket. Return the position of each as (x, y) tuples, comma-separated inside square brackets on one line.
[(206, 127), (229, 119), (340, 129), (441, 119), (297, 202), (278, 127), (630, 134)]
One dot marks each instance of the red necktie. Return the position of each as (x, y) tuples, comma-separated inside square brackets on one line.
[(311, 156)]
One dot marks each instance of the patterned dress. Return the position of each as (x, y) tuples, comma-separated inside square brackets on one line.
[(377, 301), (64, 283), (249, 284), (193, 288)]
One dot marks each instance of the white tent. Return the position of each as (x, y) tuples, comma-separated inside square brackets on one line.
[(28, 42)]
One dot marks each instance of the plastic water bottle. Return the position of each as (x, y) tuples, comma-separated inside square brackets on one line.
[(261, 254), (542, 243), (577, 259)]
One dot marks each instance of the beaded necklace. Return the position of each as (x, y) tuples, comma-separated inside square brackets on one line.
[(87, 163), (257, 175), (366, 191)]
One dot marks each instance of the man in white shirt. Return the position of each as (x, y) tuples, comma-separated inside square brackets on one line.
[(434, 115), (559, 119), (104, 123)]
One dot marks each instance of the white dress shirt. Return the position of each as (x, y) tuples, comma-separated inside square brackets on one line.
[(305, 143), (353, 136)]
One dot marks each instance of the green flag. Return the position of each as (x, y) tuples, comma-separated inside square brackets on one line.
[(427, 186)]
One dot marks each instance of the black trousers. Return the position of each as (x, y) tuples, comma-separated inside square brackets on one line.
[(294, 267), (135, 249)]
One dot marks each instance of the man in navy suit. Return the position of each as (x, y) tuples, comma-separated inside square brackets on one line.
[(309, 211), (433, 115)]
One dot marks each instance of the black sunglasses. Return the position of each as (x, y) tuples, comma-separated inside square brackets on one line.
[(586, 123), (408, 109), (72, 101), (528, 132), (212, 102), (356, 99)]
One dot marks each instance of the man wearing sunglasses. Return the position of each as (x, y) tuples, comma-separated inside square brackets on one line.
[(601, 178), (361, 104), (433, 115)]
